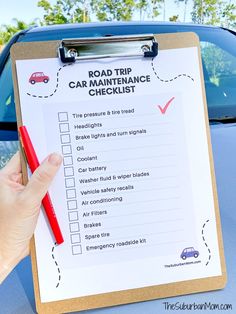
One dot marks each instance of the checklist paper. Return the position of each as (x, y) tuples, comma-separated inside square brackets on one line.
[(134, 194)]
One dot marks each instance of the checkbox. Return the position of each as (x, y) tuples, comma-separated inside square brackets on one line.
[(65, 138), (73, 216), (68, 171), (76, 249), (70, 193), (75, 238), (69, 182), (62, 116), (72, 205), (66, 149), (74, 227), (67, 161), (64, 127)]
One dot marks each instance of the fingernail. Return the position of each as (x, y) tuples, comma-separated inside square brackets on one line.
[(55, 159)]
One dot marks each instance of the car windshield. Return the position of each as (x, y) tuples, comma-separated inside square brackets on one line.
[(218, 49)]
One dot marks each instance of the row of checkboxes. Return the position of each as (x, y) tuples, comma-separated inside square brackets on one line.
[(72, 205)]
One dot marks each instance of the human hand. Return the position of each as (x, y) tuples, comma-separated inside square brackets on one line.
[(19, 208)]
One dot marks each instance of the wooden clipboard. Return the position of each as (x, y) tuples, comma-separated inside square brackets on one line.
[(40, 50)]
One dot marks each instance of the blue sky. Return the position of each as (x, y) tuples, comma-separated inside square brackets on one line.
[(27, 10)]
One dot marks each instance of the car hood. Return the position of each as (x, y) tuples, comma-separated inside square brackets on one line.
[(223, 137)]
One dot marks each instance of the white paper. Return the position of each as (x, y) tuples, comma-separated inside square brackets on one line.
[(135, 187)]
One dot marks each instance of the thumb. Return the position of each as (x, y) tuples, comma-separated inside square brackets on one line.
[(42, 177)]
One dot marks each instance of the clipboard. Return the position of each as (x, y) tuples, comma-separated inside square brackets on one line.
[(77, 50)]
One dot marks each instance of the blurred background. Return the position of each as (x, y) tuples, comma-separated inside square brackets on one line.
[(17, 15)]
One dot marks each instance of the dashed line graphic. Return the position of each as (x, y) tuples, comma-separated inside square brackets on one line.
[(58, 269), (57, 84), (203, 238), (172, 79)]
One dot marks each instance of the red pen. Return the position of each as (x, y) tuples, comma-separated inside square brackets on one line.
[(34, 164)]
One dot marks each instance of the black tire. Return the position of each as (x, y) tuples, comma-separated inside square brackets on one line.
[(32, 82), (45, 80), (195, 255), (184, 257)]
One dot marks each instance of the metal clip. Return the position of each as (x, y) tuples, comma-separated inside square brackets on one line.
[(72, 50)]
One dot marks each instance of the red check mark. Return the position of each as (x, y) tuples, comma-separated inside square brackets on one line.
[(163, 110)]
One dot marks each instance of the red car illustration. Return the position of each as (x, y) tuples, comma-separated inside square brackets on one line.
[(38, 77)]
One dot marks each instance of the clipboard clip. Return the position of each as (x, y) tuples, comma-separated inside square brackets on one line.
[(72, 50)]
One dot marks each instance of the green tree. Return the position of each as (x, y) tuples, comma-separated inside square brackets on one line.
[(174, 18), (207, 11), (155, 8), (149, 8), (123, 10), (8, 30), (214, 12), (229, 15), (141, 7), (113, 10), (64, 11)]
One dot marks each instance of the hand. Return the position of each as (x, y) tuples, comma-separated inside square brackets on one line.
[(19, 208)]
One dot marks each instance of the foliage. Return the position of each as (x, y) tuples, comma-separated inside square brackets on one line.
[(174, 18), (71, 11), (8, 30), (229, 15), (206, 11), (214, 12), (141, 7), (155, 6), (150, 9), (64, 11), (113, 10)]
